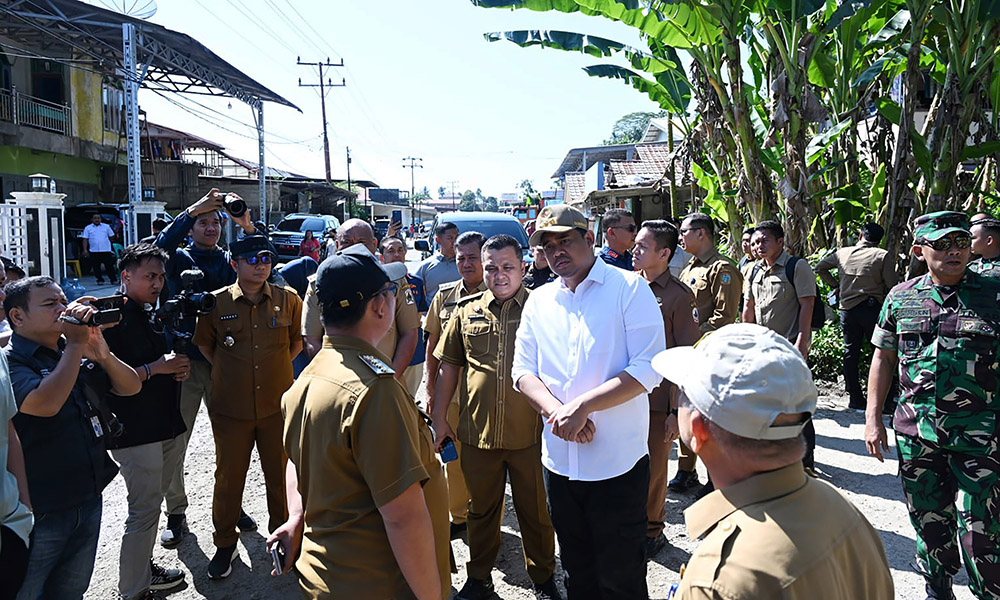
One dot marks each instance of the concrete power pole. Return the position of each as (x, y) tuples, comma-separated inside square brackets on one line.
[(454, 205), (322, 98), (412, 166)]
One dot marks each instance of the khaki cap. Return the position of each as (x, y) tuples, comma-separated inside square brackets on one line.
[(742, 377), (557, 219)]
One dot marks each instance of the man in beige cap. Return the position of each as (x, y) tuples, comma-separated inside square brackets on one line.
[(768, 530)]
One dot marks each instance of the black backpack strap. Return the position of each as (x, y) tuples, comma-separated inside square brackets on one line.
[(790, 272)]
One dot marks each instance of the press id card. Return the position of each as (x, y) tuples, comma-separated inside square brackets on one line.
[(95, 424)]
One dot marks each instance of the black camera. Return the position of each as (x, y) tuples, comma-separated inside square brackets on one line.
[(235, 205), (186, 304)]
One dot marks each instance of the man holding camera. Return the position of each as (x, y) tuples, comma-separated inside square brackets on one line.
[(203, 220), (250, 338), (149, 418), (61, 372)]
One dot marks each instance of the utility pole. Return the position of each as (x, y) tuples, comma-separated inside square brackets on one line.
[(350, 203), (454, 205), (322, 98), (413, 165)]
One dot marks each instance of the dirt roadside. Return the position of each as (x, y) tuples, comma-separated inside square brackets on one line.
[(840, 457)]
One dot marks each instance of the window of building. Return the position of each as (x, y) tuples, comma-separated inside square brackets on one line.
[(114, 106)]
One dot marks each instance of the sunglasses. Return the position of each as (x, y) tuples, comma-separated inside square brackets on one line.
[(628, 228), (959, 241), (264, 259), (390, 289)]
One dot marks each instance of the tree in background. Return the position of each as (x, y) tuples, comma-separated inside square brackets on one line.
[(442, 192), (491, 204), (629, 129), (468, 202), (421, 196), (525, 188)]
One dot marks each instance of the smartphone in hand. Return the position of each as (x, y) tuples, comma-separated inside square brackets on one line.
[(278, 557), (448, 450)]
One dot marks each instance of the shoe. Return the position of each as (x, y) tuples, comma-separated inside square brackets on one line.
[(149, 595), (221, 564), (705, 490), (175, 530), (164, 579), (939, 589), (246, 523), (683, 481), (100, 281), (477, 589), (857, 405), (654, 545), (547, 590), (810, 472), (457, 529)]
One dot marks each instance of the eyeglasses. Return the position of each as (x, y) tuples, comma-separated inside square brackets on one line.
[(959, 241), (629, 228), (390, 289), (264, 259)]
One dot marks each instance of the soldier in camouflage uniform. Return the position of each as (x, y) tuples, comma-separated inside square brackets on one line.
[(986, 243), (942, 328)]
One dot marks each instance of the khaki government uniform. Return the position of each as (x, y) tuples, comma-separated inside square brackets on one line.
[(676, 303), (865, 271), (717, 285), (500, 434), (783, 534), (442, 306), (776, 304), (358, 441), (407, 317), (251, 369)]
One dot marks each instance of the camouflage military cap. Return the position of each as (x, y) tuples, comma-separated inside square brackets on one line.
[(934, 226), (557, 219)]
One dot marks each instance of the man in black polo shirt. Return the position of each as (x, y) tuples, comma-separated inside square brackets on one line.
[(149, 418), (59, 372)]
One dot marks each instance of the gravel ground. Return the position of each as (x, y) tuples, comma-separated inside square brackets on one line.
[(840, 456)]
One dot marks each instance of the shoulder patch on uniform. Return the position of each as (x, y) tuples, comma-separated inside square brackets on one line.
[(726, 278), (377, 365), (408, 294)]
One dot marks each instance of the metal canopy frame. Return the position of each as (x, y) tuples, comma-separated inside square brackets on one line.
[(176, 61)]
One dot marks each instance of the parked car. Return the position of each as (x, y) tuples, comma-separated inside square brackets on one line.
[(291, 230), (486, 223)]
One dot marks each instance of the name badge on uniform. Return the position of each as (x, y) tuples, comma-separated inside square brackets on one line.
[(95, 424)]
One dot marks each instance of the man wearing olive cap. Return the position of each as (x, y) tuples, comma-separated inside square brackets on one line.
[(768, 530), (367, 498), (941, 328)]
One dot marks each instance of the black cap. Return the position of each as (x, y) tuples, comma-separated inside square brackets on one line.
[(251, 245), (348, 277)]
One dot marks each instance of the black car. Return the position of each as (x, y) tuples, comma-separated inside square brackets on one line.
[(291, 230)]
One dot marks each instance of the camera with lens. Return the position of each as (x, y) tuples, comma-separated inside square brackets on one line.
[(235, 206), (186, 304)]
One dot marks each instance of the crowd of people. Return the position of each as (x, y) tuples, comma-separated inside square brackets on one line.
[(568, 378)]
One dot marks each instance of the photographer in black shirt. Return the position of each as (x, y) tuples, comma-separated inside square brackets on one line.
[(148, 418)]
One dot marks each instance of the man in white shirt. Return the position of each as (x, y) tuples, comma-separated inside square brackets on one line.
[(582, 359), (97, 248)]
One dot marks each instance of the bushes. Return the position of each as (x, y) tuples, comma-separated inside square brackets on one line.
[(826, 355)]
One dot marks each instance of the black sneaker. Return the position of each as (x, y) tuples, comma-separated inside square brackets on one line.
[(164, 579), (547, 590), (683, 481), (705, 490), (654, 545), (172, 534), (939, 589), (221, 564), (477, 589), (246, 523)]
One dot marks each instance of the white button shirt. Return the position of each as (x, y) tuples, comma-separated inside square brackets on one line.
[(576, 341)]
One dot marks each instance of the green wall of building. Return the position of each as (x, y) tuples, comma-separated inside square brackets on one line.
[(23, 161)]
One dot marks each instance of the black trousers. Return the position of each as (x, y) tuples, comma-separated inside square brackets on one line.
[(13, 563), (103, 258), (858, 324), (601, 527)]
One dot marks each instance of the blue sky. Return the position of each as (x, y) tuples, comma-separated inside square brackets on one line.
[(421, 81)]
